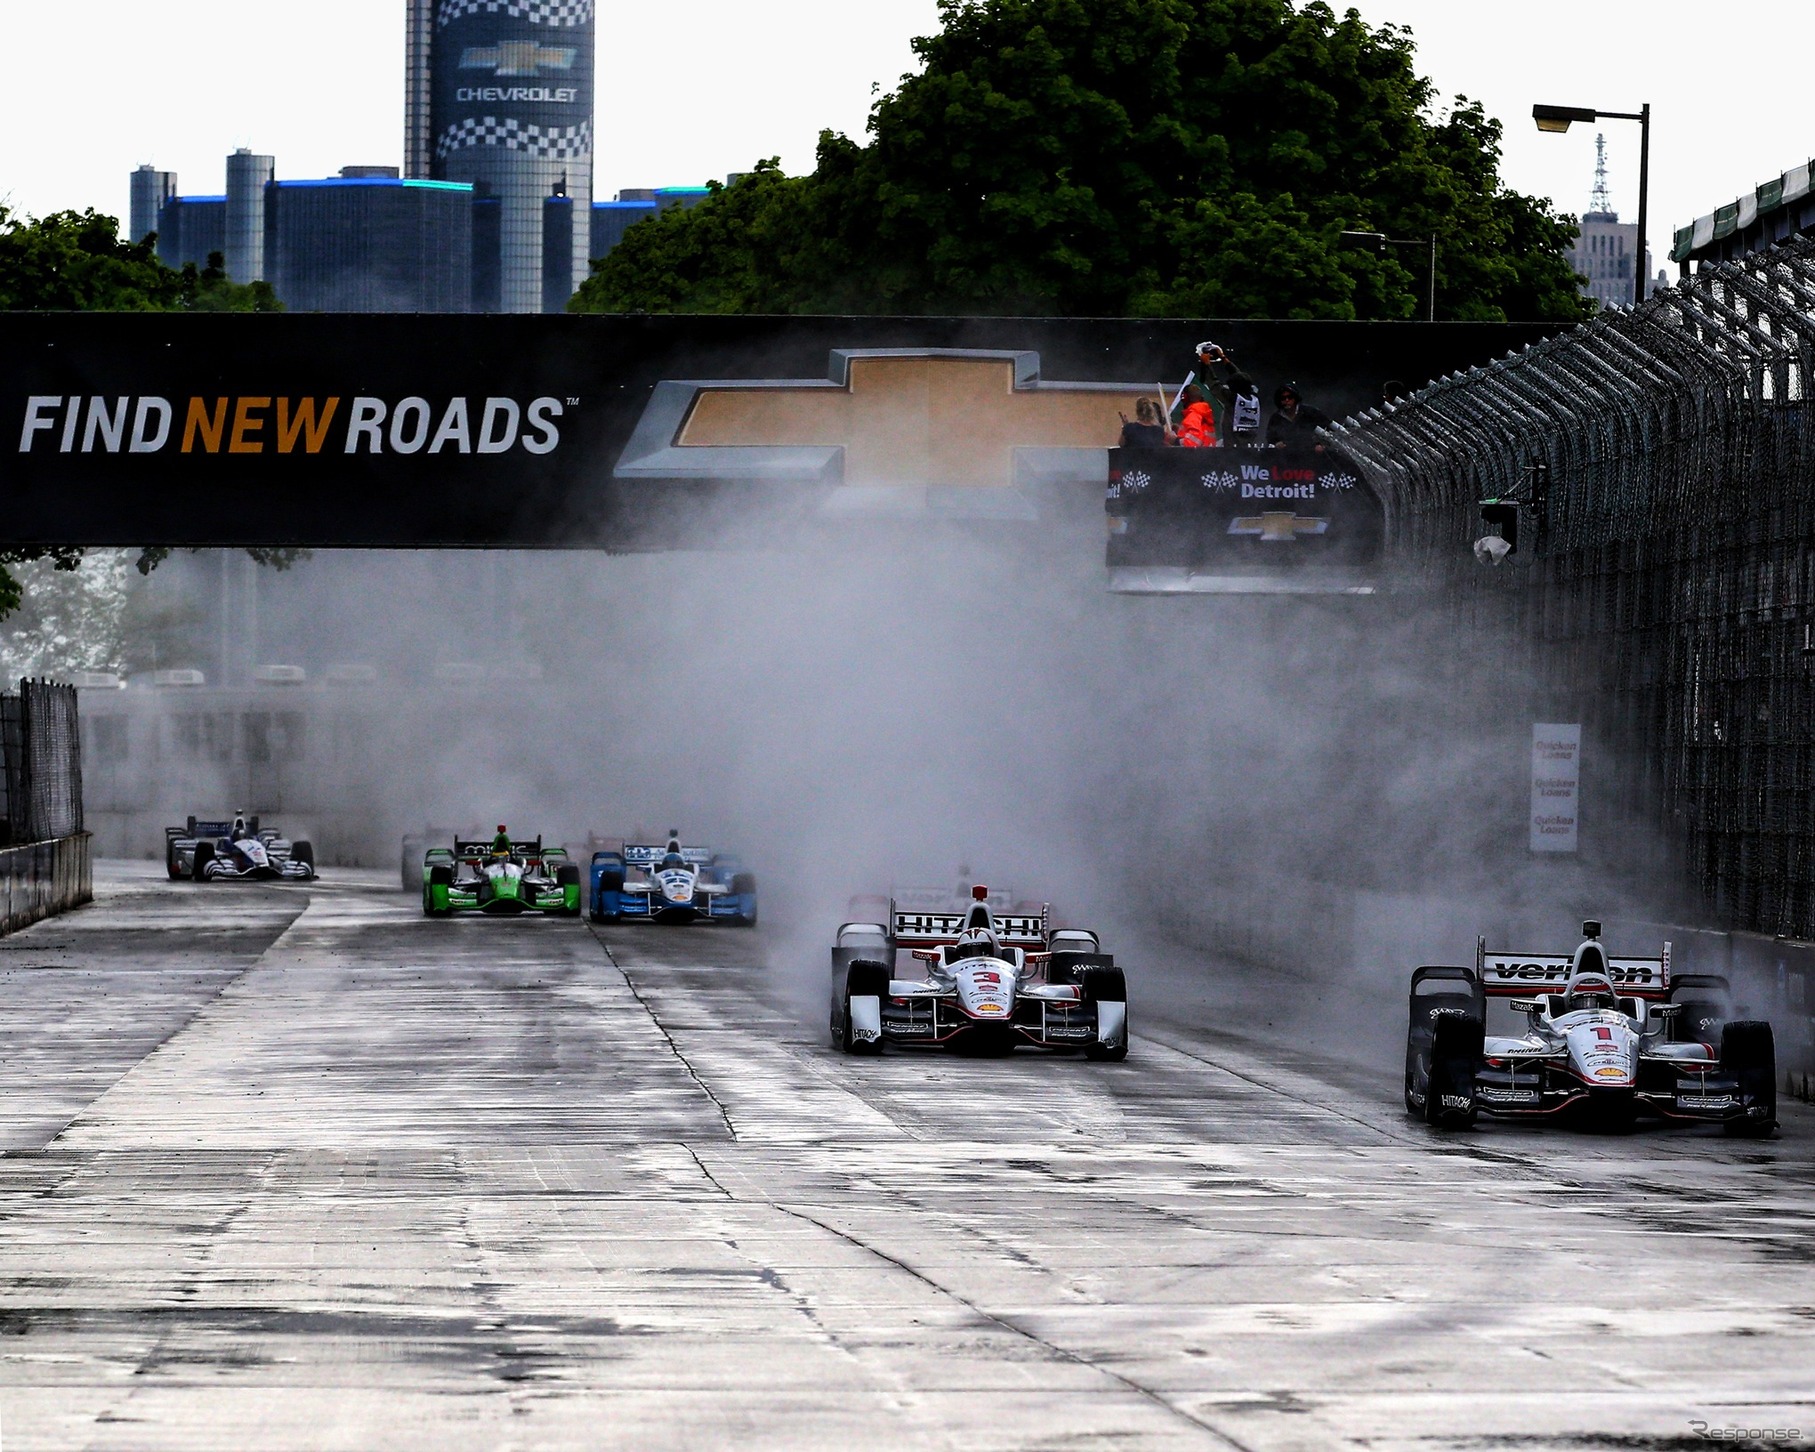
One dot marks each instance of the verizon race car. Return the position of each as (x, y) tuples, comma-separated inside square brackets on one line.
[(504, 876), (1605, 1038), (993, 981), (672, 884), (237, 850)]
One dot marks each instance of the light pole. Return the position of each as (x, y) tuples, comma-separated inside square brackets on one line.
[(1379, 242), (1557, 119)]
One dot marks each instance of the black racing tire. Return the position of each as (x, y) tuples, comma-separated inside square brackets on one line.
[(863, 979), (1455, 1056), (608, 882), (1411, 1078), (1748, 1051), (204, 854), (304, 852), (743, 883), (440, 875)]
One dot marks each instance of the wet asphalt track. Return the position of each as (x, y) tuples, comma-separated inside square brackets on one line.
[(298, 1169)]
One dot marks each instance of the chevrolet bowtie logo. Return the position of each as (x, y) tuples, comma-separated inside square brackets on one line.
[(884, 417), (1281, 527), (518, 58)]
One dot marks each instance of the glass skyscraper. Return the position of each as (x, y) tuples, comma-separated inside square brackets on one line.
[(368, 243), (509, 110), (151, 188)]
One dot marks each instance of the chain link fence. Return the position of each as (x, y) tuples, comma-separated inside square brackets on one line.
[(41, 757), (1663, 463)]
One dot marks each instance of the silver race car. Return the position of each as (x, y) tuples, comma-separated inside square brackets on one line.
[(238, 850), (1606, 1039), (993, 981)]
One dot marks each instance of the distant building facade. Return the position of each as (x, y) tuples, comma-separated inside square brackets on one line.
[(370, 240), (151, 188), (365, 243), (499, 95), (1606, 250)]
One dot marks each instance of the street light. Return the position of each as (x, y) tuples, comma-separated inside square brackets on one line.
[(1379, 242), (1557, 119)]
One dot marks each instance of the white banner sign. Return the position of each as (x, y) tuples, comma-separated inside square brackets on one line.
[(1556, 778)]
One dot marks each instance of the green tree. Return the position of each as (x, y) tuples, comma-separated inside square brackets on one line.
[(1124, 157), (76, 262)]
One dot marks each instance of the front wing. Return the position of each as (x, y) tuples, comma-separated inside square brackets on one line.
[(912, 1014), (1533, 1086)]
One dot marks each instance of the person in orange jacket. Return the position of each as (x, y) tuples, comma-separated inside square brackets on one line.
[(1197, 426)]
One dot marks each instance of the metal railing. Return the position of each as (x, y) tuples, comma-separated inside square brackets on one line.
[(40, 763), (1663, 458)]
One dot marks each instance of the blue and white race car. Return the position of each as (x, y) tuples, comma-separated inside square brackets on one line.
[(672, 884)]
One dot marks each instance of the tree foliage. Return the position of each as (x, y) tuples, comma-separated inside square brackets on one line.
[(1125, 158), (76, 262)]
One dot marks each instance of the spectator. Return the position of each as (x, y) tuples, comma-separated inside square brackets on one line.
[(1295, 423), (1197, 427), (1239, 395), (1149, 429)]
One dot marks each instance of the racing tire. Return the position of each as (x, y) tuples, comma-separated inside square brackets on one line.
[(1455, 1054), (608, 882), (304, 852), (1412, 1106), (204, 854), (171, 865), (1748, 1051), (440, 875), (566, 877), (1105, 985), (863, 979), (744, 885)]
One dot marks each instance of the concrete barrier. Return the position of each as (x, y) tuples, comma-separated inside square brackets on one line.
[(40, 879)]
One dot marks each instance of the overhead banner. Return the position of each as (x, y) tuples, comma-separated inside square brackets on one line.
[(333, 430), (1556, 779)]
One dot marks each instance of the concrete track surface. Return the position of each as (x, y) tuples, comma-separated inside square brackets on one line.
[(296, 1168)]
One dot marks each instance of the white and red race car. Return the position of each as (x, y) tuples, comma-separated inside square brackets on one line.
[(1606, 1038), (993, 981)]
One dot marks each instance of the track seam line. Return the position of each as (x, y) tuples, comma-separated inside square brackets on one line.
[(667, 1038), (1009, 1326)]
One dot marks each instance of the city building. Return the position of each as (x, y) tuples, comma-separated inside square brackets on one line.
[(190, 228), (368, 241), (1772, 212), (500, 96), (611, 220), (151, 188), (1605, 251), (247, 177)]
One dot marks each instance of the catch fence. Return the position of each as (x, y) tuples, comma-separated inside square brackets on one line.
[(1663, 460), (40, 764)]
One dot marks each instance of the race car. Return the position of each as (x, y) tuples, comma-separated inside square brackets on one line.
[(672, 884), (236, 850), (1606, 1039), (503, 876), (994, 981)]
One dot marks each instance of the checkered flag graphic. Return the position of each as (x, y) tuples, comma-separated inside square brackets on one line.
[(1134, 481), (536, 12), (1220, 479), (1339, 481), (565, 143)]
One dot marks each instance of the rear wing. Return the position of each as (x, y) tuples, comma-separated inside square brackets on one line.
[(926, 930), (522, 847), (643, 855), (1521, 975)]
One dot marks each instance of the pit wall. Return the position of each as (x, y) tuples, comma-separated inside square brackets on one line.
[(1377, 938), (41, 879)]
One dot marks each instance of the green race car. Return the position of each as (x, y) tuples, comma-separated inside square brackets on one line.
[(504, 876)]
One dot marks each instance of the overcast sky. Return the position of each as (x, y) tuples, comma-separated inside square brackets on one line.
[(690, 92)]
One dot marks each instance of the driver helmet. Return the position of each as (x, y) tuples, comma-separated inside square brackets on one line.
[(239, 826), (1589, 990), (673, 859), (501, 843), (976, 943)]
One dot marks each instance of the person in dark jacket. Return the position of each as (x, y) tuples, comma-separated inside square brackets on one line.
[(1229, 384), (1295, 423)]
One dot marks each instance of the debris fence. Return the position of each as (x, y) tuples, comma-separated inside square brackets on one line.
[(1663, 463), (40, 764)]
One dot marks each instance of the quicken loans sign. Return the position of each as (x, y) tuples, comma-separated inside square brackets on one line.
[(1556, 780)]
